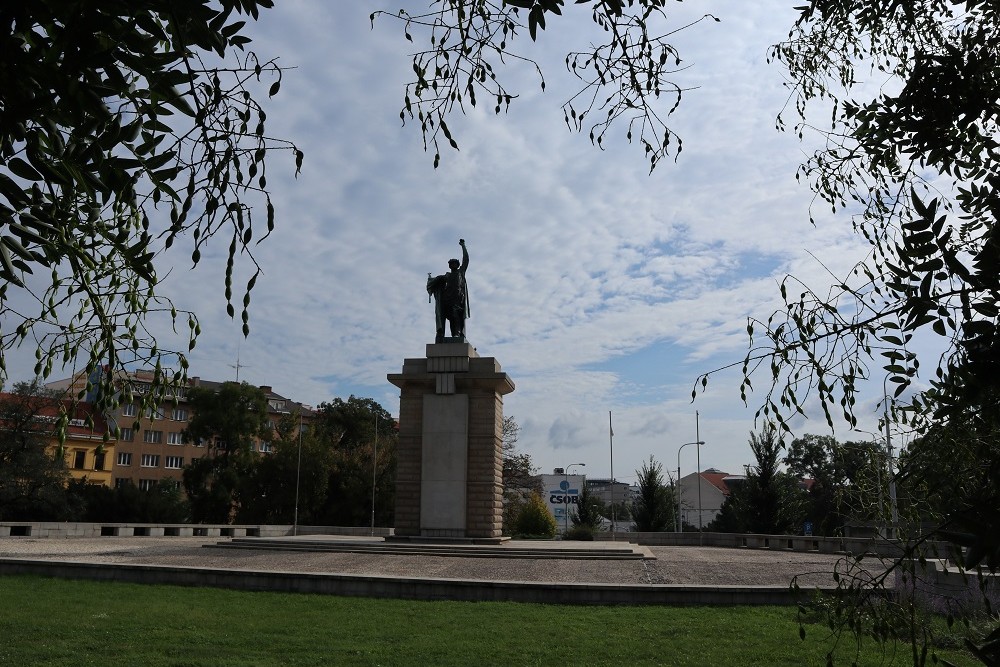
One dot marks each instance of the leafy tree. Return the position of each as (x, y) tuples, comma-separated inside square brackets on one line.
[(625, 81), (772, 498), (296, 455), (230, 420), (535, 519), (849, 480), (914, 159), (355, 421), (950, 476), (519, 471), (911, 153), (124, 126), (520, 475), (32, 481), (768, 501), (355, 431), (164, 503), (655, 507), (588, 510)]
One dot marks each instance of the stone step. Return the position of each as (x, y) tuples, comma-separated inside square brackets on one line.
[(602, 552)]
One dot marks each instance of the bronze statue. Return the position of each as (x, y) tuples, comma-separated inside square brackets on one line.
[(451, 298)]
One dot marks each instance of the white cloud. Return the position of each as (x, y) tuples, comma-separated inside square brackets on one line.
[(580, 259)]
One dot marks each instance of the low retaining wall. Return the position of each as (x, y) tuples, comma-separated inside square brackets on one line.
[(948, 589), (111, 529), (411, 588), (827, 545)]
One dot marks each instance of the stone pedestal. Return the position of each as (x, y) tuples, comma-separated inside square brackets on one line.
[(449, 470)]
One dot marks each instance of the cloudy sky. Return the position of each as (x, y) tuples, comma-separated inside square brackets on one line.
[(597, 286)]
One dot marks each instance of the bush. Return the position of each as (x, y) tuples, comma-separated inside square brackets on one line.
[(535, 519), (580, 533)]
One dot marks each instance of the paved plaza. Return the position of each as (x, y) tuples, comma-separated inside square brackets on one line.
[(687, 565)]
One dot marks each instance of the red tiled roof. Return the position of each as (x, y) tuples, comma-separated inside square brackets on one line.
[(716, 479)]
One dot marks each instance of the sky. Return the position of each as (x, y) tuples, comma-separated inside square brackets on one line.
[(601, 289)]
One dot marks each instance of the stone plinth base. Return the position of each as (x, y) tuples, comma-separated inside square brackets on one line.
[(444, 541), (449, 470)]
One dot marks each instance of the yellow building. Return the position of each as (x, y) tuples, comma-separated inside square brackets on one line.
[(88, 455), (152, 445)]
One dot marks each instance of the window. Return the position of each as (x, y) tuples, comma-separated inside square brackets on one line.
[(266, 446), (147, 484), (154, 413), (120, 482), (176, 439), (98, 460), (174, 462), (179, 415), (126, 435), (124, 459), (150, 460), (154, 437), (130, 410), (79, 460)]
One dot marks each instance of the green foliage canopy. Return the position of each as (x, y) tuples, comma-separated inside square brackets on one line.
[(625, 81), (124, 126), (534, 519), (229, 419), (769, 501), (31, 480), (654, 509)]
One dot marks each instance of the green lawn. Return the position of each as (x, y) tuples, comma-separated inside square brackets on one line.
[(57, 622)]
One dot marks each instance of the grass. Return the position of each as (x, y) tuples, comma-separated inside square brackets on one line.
[(57, 622)]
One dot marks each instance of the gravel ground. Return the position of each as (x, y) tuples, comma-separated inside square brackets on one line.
[(673, 565)]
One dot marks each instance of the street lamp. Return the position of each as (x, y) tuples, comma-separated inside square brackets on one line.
[(298, 474), (566, 496), (680, 522), (374, 468)]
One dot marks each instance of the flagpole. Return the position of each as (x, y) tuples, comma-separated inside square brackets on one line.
[(611, 446), (697, 436)]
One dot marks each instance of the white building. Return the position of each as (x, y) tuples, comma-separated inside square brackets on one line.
[(714, 485), (561, 493)]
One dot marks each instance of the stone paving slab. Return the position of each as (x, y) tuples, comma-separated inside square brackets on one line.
[(692, 566)]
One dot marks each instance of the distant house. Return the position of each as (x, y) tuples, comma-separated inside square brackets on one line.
[(88, 453), (715, 487), (608, 490)]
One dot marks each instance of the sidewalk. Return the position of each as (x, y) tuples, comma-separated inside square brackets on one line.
[(687, 566)]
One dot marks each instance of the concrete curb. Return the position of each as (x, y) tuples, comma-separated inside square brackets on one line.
[(411, 588)]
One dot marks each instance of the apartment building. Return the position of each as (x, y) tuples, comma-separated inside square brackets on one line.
[(152, 445), (89, 456)]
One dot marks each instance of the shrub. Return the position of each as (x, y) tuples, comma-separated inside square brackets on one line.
[(535, 519), (580, 533)]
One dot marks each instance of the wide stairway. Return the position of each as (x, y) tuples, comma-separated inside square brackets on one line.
[(510, 549)]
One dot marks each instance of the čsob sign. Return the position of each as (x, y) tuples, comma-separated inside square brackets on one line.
[(564, 495)]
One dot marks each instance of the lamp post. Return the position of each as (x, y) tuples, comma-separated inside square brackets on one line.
[(566, 497), (298, 474), (374, 468), (680, 521), (892, 472)]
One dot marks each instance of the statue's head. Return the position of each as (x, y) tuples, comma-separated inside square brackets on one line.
[(453, 264)]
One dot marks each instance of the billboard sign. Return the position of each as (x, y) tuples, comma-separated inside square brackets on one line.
[(561, 494)]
